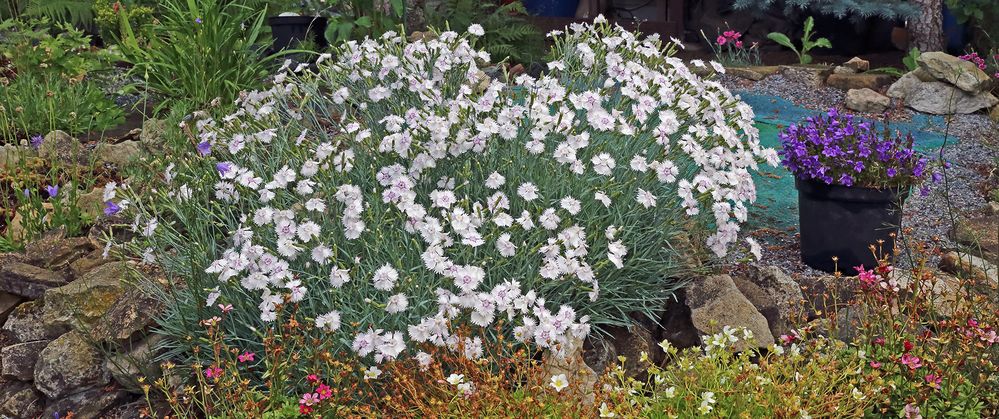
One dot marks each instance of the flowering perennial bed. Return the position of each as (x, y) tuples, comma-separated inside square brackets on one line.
[(397, 193)]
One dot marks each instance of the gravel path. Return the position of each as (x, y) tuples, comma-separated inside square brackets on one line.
[(972, 148)]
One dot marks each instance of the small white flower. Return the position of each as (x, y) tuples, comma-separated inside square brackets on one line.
[(476, 29), (602, 197), (606, 412), (646, 198), (495, 180), (528, 191), (329, 321), (397, 303), (455, 379), (372, 373), (571, 204), (559, 382), (385, 277)]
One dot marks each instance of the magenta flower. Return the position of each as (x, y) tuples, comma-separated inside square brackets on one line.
[(246, 356), (933, 380), (309, 399), (213, 372), (721, 40), (911, 361)]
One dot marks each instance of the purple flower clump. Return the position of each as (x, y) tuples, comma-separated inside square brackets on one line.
[(839, 150)]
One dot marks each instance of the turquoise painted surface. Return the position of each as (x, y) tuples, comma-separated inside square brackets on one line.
[(777, 200)]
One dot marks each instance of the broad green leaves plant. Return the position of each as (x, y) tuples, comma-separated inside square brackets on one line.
[(807, 44), (911, 59)]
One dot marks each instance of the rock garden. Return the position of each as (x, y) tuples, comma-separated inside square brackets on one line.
[(263, 208)]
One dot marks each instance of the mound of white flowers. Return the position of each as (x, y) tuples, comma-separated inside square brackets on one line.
[(397, 193)]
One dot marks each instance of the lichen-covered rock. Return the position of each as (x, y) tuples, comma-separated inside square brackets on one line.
[(29, 281), (19, 359), (8, 302), (938, 97), (152, 133), (27, 323), (56, 253), (630, 343), (102, 303), (87, 263), (716, 302), (69, 365), (119, 154), (133, 361), (88, 404), (963, 74), (61, 147), (20, 400)]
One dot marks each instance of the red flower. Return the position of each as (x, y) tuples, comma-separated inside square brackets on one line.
[(880, 341), (907, 345), (312, 378), (116, 7)]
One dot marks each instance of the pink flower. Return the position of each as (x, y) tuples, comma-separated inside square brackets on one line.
[(738, 44), (912, 412), (225, 307), (721, 40), (880, 341), (324, 391), (789, 339), (934, 380), (729, 34), (213, 372), (875, 364), (312, 378), (309, 399), (911, 361), (247, 356)]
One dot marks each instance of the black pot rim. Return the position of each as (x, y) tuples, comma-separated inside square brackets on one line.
[(822, 191), (294, 20)]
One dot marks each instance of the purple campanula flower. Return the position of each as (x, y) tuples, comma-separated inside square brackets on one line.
[(223, 167), (110, 208), (837, 148), (27, 193), (52, 190), (197, 20), (204, 148)]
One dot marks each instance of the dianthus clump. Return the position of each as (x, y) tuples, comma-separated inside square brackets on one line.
[(398, 193)]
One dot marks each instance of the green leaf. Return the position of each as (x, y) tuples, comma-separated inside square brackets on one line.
[(823, 42), (363, 21), (781, 39), (806, 59), (809, 25), (398, 6)]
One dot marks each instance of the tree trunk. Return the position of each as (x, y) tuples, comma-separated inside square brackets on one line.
[(926, 30)]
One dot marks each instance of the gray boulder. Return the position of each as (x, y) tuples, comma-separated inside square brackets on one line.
[(20, 400), (866, 100), (19, 359), (29, 281), (27, 323), (964, 75), (88, 404), (715, 302), (69, 365)]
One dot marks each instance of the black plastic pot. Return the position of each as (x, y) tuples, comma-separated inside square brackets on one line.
[(289, 31), (844, 222)]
